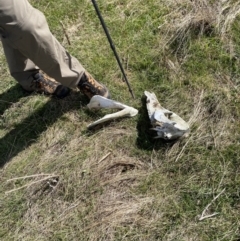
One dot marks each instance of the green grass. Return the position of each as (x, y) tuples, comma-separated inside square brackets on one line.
[(144, 189)]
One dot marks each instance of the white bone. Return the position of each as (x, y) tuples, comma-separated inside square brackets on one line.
[(99, 102), (167, 124), (127, 112)]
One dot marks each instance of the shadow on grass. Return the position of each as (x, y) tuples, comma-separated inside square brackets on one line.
[(145, 139), (10, 97), (26, 132)]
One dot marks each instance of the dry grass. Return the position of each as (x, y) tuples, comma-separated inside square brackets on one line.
[(199, 17), (116, 173), (62, 182)]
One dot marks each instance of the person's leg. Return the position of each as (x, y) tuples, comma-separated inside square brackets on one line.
[(25, 29), (28, 76), (21, 68)]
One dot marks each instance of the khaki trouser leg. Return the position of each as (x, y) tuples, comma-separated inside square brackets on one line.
[(21, 68), (28, 42)]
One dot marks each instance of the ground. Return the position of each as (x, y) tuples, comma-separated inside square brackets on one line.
[(63, 182)]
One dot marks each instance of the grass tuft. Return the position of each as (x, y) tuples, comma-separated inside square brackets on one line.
[(61, 181)]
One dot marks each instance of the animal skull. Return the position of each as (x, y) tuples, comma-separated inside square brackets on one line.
[(167, 124)]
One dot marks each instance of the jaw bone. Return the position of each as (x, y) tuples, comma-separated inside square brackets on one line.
[(167, 124), (98, 102)]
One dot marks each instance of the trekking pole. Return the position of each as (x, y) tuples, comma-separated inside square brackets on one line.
[(112, 45)]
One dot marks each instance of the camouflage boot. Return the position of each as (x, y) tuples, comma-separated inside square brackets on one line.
[(90, 87), (43, 84)]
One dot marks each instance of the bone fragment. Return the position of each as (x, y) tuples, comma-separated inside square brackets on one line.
[(98, 102)]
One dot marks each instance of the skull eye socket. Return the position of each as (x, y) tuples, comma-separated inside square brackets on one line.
[(166, 136)]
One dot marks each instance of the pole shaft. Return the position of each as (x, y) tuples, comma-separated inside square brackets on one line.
[(112, 45)]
